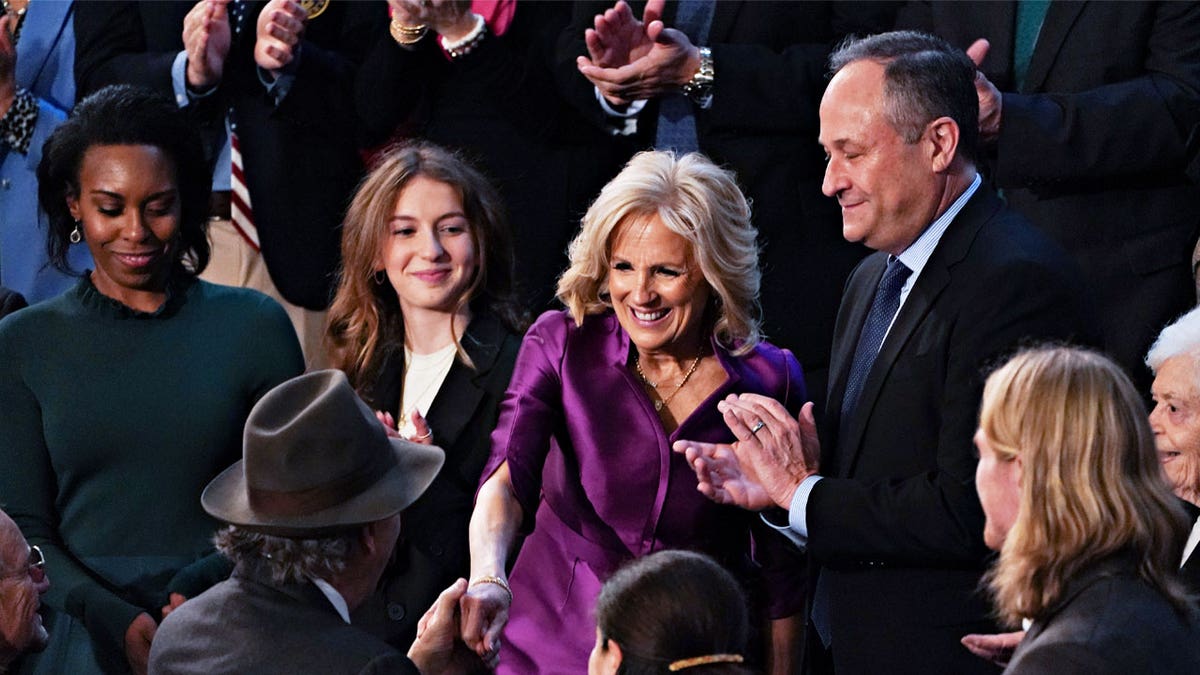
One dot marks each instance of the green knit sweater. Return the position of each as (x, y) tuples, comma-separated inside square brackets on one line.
[(112, 421)]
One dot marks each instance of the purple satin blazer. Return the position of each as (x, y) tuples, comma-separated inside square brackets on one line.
[(593, 470)]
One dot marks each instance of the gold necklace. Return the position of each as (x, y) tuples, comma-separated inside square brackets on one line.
[(663, 401)]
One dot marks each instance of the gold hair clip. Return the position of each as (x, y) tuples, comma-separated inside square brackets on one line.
[(704, 661)]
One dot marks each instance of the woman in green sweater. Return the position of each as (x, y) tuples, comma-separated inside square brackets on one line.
[(123, 397)]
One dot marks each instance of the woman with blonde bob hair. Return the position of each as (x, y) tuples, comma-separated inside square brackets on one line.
[(425, 326), (661, 324), (1088, 530), (694, 199)]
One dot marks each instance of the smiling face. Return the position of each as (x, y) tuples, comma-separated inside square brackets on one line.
[(21, 589), (887, 188), (1175, 422), (128, 204), (429, 252), (998, 482), (656, 288)]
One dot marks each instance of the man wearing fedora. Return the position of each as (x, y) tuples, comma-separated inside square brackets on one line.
[(314, 513)]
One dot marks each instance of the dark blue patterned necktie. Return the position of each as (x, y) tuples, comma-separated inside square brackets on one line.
[(676, 128), (883, 310)]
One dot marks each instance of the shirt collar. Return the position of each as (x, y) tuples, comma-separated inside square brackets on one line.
[(335, 598), (918, 253)]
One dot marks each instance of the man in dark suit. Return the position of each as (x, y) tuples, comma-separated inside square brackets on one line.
[(314, 511), (1096, 139), (892, 523), (284, 84), (750, 104)]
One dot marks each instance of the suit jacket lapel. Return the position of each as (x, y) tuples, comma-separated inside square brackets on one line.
[(460, 394), (46, 21), (934, 279), (856, 303), (1060, 17), (722, 22)]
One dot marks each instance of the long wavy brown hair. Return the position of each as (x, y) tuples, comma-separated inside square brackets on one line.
[(365, 322), (1091, 483)]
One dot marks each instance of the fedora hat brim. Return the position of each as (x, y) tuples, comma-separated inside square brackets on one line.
[(227, 497)]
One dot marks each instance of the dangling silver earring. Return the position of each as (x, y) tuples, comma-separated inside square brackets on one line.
[(379, 277), (76, 235)]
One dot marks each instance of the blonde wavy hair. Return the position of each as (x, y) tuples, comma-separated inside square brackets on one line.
[(364, 319), (696, 200), (1091, 482)]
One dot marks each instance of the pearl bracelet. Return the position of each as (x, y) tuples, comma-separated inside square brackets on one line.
[(464, 46)]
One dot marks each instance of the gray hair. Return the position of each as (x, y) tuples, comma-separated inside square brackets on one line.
[(290, 561), (1181, 337), (924, 78)]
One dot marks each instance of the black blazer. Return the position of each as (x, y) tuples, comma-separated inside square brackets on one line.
[(1101, 146), (896, 524), (433, 552), (770, 63), (300, 156), (1109, 621)]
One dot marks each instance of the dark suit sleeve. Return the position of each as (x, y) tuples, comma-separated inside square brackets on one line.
[(934, 518), (758, 89), (572, 85), (110, 48), (1064, 659), (390, 664), (321, 94), (1134, 125)]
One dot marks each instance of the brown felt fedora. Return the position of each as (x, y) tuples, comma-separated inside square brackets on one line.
[(315, 460)]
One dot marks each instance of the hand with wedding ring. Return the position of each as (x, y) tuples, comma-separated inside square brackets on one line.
[(280, 27), (774, 453)]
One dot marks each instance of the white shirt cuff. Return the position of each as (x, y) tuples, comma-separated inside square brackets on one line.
[(624, 123), (179, 79), (797, 527), (183, 96)]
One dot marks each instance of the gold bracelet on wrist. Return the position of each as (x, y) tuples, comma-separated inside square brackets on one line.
[(490, 579), (407, 35)]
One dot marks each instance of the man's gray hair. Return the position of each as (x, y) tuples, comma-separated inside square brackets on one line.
[(290, 561), (925, 78), (1181, 337)]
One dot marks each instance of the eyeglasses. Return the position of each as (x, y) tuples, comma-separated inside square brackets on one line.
[(36, 567)]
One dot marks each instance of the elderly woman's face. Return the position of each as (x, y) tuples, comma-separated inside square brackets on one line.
[(1175, 421), (656, 287), (128, 208), (998, 482)]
